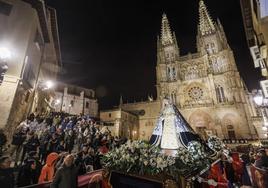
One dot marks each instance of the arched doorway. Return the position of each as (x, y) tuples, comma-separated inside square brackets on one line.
[(229, 122), (231, 132), (201, 122)]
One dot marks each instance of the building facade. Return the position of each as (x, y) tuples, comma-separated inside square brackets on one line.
[(75, 100), (205, 86), (121, 123), (29, 30), (255, 18)]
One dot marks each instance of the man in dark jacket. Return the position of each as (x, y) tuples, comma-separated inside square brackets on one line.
[(31, 144), (16, 144), (27, 174), (7, 179), (66, 175), (83, 160)]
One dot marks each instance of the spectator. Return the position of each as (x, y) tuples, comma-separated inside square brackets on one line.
[(48, 169), (3, 140), (31, 144), (262, 162), (69, 140), (16, 144), (38, 166), (61, 147), (53, 143), (84, 160), (66, 175), (7, 179), (28, 174)]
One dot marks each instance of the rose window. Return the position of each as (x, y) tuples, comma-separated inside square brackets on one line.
[(195, 93)]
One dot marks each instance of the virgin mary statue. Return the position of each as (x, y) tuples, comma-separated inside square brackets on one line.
[(172, 130)]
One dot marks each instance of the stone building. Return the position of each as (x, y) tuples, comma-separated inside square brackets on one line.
[(255, 17), (121, 123), (206, 86), (75, 100), (29, 30)]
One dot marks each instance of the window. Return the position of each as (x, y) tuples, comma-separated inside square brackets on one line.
[(220, 94), (174, 73), (195, 93), (5, 8), (110, 115), (87, 104)]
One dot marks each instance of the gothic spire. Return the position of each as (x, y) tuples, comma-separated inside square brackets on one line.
[(206, 24), (166, 36)]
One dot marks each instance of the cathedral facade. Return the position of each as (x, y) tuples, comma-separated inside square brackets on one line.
[(205, 86)]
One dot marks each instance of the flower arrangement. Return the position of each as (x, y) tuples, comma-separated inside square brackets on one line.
[(137, 157), (215, 143), (197, 150)]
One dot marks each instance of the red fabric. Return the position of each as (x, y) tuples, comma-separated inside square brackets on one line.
[(218, 176), (105, 184), (47, 172), (237, 165), (103, 149), (92, 177)]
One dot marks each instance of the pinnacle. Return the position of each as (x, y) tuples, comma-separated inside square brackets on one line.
[(206, 24), (166, 36)]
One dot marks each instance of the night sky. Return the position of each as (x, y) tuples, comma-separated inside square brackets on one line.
[(110, 45)]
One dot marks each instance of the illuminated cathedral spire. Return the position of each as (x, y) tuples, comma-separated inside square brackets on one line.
[(166, 35), (206, 24)]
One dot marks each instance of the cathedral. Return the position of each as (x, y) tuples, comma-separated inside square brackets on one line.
[(205, 86)]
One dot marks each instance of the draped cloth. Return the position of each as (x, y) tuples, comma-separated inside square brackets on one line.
[(173, 131)]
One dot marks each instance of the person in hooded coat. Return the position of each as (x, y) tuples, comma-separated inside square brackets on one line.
[(48, 169)]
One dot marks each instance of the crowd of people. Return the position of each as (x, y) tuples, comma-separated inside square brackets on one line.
[(44, 147), (58, 148), (247, 168)]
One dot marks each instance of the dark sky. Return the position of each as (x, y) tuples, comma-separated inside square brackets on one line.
[(110, 45)]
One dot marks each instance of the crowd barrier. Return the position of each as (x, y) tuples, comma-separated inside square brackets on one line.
[(259, 177), (88, 180)]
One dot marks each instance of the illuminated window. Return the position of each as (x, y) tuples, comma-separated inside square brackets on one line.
[(196, 93), (220, 94)]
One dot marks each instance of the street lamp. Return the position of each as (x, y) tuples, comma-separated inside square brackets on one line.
[(5, 54), (57, 101), (45, 85), (49, 84)]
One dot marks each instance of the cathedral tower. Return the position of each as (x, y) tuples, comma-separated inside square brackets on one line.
[(205, 85), (167, 54)]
